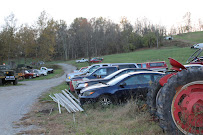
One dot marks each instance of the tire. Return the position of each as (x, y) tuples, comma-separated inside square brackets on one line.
[(105, 101), (30, 77), (165, 100), (15, 82), (1, 83), (151, 96)]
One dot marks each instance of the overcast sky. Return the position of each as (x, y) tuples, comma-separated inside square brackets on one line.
[(163, 12)]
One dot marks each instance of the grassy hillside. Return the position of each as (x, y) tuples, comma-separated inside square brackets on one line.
[(195, 37), (179, 53)]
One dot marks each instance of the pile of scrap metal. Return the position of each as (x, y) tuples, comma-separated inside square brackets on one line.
[(67, 100)]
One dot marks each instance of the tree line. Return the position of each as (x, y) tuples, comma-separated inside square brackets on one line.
[(49, 39)]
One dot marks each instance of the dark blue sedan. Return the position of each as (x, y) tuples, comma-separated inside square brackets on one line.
[(82, 84), (126, 86)]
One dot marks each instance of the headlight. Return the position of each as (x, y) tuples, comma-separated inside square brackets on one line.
[(87, 93), (86, 84), (82, 85)]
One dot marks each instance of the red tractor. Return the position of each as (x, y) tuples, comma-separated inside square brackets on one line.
[(177, 99)]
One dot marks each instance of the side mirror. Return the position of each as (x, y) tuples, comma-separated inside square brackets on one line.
[(122, 85)]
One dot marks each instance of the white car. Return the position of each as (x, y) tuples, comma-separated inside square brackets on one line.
[(193, 66), (48, 70), (40, 72), (197, 46), (81, 60), (89, 70)]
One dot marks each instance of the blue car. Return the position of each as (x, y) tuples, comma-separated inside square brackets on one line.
[(126, 86)]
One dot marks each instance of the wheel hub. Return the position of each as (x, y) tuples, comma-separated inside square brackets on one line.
[(187, 108)]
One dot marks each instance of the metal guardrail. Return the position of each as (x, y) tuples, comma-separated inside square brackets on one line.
[(68, 101)]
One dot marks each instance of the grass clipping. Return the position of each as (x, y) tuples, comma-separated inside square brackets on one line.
[(129, 118)]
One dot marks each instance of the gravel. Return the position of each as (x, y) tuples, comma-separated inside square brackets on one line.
[(16, 101)]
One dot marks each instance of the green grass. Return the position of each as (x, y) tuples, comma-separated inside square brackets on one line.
[(181, 54), (57, 89), (195, 37)]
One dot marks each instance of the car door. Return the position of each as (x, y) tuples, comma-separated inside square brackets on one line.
[(135, 86), (143, 81), (126, 88)]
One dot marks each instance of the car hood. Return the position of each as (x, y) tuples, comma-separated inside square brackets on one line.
[(95, 87), (92, 80), (77, 73)]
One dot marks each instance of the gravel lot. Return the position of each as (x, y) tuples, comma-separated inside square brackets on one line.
[(15, 101)]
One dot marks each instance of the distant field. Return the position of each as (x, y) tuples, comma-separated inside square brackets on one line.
[(178, 53), (195, 37)]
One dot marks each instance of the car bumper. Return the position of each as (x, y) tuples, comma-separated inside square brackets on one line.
[(84, 100), (68, 80)]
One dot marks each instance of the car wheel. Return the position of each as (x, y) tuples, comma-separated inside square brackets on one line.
[(1, 83), (105, 101), (30, 77), (15, 82)]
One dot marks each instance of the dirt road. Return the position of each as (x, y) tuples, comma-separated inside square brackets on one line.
[(15, 101)]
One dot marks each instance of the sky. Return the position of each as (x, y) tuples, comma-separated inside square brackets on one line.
[(162, 12)]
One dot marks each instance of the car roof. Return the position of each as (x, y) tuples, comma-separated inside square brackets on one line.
[(152, 62), (106, 67), (192, 65), (144, 72)]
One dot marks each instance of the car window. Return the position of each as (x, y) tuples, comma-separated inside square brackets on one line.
[(130, 81), (139, 65), (144, 65), (111, 70), (155, 77), (156, 64), (102, 71), (142, 79), (93, 68), (126, 66)]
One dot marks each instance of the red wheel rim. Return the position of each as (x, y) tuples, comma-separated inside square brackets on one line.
[(187, 108)]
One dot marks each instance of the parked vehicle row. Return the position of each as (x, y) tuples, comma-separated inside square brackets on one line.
[(109, 83), (93, 67), (83, 84), (33, 73)]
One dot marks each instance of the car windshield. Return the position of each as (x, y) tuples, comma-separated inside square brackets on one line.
[(117, 79), (113, 74)]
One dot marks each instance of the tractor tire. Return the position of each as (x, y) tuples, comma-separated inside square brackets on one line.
[(174, 96), (151, 96)]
